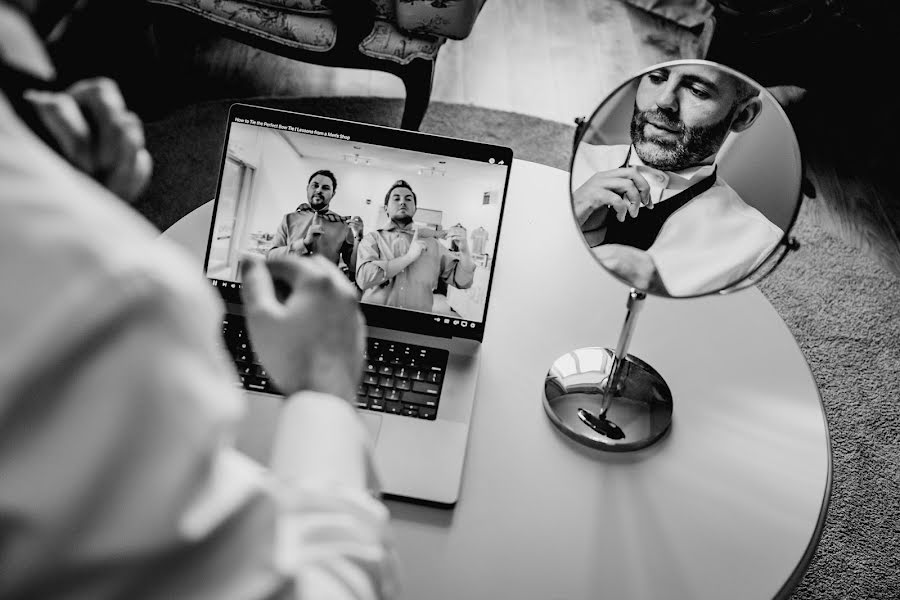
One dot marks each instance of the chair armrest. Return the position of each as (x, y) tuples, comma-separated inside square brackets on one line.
[(452, 19)]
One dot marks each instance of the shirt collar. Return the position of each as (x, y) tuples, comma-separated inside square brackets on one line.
[(392, 226), (671, 180)]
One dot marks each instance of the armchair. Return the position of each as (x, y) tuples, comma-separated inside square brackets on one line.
[(401, 37)]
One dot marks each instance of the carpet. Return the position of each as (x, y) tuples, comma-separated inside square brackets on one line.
[(842, 307)]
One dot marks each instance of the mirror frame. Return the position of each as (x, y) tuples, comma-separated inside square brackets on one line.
[(786, 244)]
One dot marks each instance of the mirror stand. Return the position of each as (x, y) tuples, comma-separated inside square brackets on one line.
[(607, 399)]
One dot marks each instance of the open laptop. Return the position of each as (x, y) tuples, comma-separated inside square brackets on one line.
[(416, 395)]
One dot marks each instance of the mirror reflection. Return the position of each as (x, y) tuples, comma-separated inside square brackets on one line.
[(686, 179)]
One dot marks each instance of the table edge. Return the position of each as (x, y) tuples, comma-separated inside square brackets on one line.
[(802, 567)]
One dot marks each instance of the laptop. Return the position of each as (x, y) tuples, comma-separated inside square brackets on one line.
[(422, 356)]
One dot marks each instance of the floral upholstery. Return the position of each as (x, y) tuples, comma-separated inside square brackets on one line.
[(387, 42), (403, 30), (292, 29), (447, 18), (319, 7)]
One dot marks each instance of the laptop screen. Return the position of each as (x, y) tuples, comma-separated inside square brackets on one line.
[(412, 219)]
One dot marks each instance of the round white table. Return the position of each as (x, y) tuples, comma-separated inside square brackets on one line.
[(729, 504)]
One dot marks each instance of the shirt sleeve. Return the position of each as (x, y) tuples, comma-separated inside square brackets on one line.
[(369, 263), (119, 479), (280, 245)]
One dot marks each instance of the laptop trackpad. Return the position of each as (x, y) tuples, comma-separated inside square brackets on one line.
[(421, 459)]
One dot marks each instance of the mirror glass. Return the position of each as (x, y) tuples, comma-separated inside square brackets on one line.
[(686, 180)]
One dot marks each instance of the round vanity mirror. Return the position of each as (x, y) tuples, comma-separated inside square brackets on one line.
[(684, 182)]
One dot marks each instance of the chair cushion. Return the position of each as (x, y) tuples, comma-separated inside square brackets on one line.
[(292, 29), (387, 42)]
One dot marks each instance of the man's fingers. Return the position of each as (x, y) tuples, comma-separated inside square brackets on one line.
[(636, 179), (311, 272), (104, 108), (62, 117), (633, 209), (258, 288), (96, 133), (623, 205), (625, 188), (287, 269), (131, 175), (101, 94), (101, 105), (118, 132)]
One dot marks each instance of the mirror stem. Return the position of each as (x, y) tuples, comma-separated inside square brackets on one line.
[(635, 301)]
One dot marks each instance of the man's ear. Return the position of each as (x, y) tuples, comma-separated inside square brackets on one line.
[(746, 114)]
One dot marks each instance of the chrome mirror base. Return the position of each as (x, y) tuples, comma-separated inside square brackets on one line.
[(637, 414)]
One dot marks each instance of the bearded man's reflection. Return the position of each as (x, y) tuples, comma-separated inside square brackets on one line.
[(655, 212)]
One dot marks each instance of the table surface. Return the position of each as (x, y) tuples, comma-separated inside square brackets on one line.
[(730, 504)]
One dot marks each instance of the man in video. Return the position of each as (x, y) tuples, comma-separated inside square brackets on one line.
[(654, 211), (315, 229), (400, 264)]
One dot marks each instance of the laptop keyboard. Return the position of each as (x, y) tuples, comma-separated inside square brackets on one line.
[(401, 379)]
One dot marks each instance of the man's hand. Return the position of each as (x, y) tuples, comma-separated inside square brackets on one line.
[(636, 267), (623, 190), (97, 134), (357, 227), (416, 247), (312, 338), (313, 234), (457, 235)]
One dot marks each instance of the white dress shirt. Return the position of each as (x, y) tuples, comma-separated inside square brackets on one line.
[(117, 407), (710, 242)]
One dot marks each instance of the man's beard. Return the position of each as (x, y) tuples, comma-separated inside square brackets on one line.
[(403, 221), (694, 144), (318, 203)]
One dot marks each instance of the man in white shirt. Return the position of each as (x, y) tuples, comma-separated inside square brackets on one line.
[(117, 403), (655, 212), (401, 265)]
